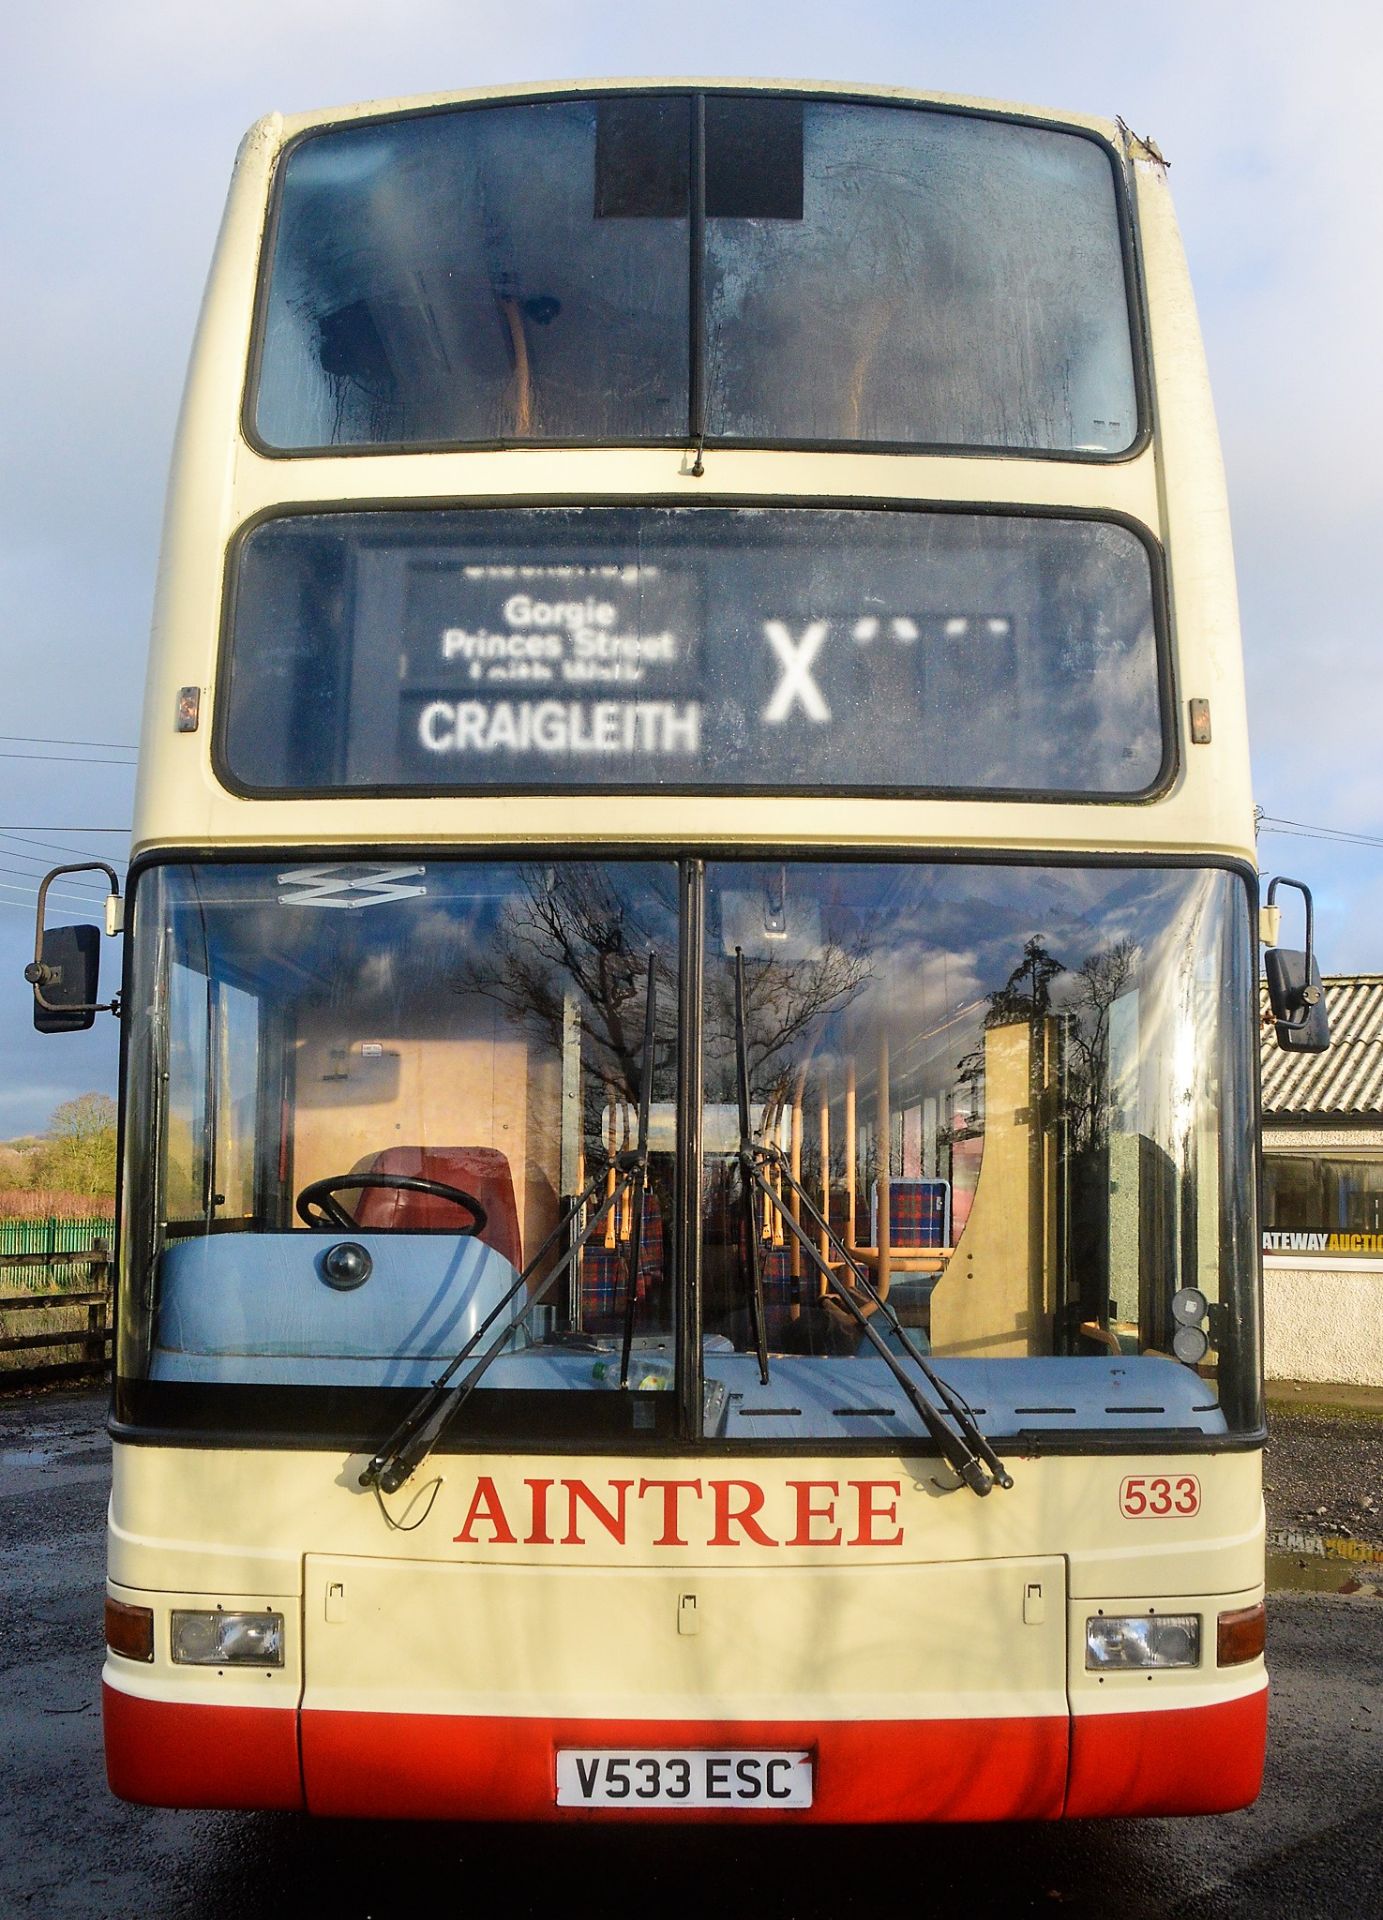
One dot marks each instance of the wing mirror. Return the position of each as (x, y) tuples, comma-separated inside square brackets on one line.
[(65, 970), (1295, 993)]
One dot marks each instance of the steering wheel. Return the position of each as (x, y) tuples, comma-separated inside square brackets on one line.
[(319, 1207)]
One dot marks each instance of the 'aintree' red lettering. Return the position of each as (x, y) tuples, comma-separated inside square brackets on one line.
[(822, 1513), (671, 1491), (613, 1523), (742, 1516), (539, 1537), (871, 1509), (807, 1511), (486, 1505)]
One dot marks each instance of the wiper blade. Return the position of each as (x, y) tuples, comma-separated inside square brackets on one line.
[(421, 1428), (637, 1167), (749, 1176), (966, 1449), (425, 1422)]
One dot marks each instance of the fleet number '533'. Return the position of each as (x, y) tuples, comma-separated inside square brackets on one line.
[(1144, 1496)]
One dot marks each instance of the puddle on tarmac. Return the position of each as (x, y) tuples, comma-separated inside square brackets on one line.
[(1314, 1573), (25, 1457)]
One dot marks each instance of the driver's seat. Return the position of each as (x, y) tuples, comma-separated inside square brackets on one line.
[(482, 1171)]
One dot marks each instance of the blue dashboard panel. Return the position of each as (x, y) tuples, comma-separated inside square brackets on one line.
[(259, 1309), (810, 1396)]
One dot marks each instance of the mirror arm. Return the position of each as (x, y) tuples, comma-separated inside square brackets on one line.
[(36, 973), (1310, 993)]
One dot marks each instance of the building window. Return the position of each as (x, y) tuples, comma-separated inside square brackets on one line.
[(1317, 1198)]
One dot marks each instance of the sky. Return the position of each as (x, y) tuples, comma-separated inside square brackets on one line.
[(119, 121)]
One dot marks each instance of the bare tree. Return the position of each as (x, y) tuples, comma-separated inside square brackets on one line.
[(784, 1001), (1102, 978), (1027, 993), (574, 928)]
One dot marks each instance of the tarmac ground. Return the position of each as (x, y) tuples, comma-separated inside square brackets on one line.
[(1309, 1846), (1323, 1489)]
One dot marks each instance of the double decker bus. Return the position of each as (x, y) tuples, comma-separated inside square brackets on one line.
[(688, 1240)]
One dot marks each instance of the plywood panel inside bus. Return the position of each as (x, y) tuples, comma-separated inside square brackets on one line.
[(990, 1298), (404, 1084)]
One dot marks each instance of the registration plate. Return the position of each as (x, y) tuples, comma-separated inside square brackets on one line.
[(682, 1777)]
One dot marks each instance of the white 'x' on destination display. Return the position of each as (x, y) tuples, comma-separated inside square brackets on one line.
[(795, 658)]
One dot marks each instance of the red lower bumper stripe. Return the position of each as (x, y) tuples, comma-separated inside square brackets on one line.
[(1186, 1760), (446, 1767), (460, 1769), (163, 1753)]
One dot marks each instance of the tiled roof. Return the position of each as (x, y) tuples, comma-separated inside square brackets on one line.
[(1347, 1078)]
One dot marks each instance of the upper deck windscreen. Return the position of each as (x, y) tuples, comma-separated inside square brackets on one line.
[(646, 268)]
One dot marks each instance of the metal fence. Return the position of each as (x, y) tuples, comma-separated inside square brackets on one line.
[(54, 1235)]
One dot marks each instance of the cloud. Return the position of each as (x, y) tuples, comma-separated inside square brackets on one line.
[(117, 136)]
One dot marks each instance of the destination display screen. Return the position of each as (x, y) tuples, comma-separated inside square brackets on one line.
[(756, 649), (568, 661)]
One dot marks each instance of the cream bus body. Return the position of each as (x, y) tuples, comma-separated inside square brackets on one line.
[(928, 1650)]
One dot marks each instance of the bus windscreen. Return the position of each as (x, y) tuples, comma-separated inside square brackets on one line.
[(637, 649), (740, 267), (409, 1110)]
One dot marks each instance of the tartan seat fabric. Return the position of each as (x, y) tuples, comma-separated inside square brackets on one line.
[(781, 1294), (605, 1270), (775, 1264), (919, 1213)]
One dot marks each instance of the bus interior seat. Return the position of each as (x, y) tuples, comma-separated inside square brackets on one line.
[(605, 1271), (783, 1293), (482, 1171), (919, 1213)]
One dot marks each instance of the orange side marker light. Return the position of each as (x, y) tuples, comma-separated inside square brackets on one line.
[(1240, 1635), (130, 1630)]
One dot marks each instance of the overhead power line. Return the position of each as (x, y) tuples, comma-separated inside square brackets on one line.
[(44, 740), (86, 901), (34, 878), (44, 861), (13, 851), (1306, 830), (54, 846), (77, 759), (26, 906), (71, 883)]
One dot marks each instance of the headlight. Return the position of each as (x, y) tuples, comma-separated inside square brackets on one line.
[(1121, 1643), (228, 1639)]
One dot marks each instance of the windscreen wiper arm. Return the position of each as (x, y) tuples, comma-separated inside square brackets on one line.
[(637, 1167), (748, 1176), (966, 1450), (423, 1425)]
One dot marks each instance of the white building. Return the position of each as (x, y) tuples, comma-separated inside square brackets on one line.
[(1323, 1195)]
